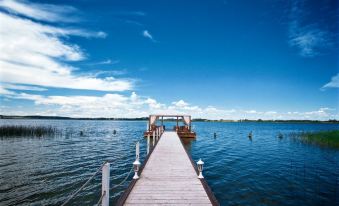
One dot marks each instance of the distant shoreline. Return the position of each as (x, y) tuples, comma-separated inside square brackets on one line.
[(334, 121)]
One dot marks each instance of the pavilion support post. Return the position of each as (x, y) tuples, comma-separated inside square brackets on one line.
[(177, 122), (156, 134), (149, 123), (153, 138), (190, 125)]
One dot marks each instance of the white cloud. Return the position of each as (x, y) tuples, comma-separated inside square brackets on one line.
[(146, 34), (34, 53), (251, 112), (4, 91), (271, 112), (153, 104), (14, 73), (118, 105), (310, 41), (181, 106), (311, 38), (40, 11), (107, 61), (334, 83), (101, 34), (180, 103), (23, 87), (108, 105)]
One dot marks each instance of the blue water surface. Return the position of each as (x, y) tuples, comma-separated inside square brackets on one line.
[(264, 170)]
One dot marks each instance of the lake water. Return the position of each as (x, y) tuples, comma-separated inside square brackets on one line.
[(264, 171)]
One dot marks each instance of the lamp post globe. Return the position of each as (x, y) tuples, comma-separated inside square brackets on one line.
[(136, 165), (200, 164)]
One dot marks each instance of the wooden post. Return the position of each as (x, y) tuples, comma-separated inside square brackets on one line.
[(153, 138), (148, 143), (137, 151), (105, 185), (156, 134)]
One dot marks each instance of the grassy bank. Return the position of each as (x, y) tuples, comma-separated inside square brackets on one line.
[(322, 138), (26, 131)]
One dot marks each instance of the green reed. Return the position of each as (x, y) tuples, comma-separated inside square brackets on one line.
[(27, 131), (321, 138)]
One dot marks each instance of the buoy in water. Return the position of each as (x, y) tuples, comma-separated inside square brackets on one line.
[(215, 135), (81, 133), (250, 135), (280, 136), (114, 131)]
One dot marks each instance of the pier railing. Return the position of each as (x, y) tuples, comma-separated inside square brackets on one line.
[(156, 135), (105, 171)]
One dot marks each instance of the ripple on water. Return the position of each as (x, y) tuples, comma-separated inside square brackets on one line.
[(263, 171)]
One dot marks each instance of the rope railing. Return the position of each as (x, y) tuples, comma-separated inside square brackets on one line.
[(105, 174), (124, 180), (84, 185), (99, 202)]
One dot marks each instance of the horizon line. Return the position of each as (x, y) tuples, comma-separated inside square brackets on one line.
[(146, 118)]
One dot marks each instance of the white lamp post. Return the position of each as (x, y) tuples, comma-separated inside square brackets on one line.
[(200, 164), (136, 165)]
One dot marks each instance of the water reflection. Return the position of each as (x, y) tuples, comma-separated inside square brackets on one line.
[(187, 142)]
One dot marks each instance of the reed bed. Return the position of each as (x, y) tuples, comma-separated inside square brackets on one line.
[(27, 131), (321, 138)]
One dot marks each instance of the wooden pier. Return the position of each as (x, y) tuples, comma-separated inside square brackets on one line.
[(168, 177)]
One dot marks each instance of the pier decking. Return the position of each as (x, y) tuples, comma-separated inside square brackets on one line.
[(169, 178)]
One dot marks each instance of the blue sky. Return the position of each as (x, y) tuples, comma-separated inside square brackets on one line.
[(212, 59)]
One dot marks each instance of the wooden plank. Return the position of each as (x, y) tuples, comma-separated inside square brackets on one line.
[(168, 177)]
